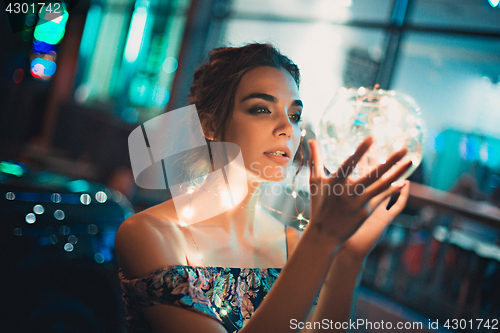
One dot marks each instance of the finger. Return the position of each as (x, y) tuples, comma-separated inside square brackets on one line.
[(315, 163), (381, 169), (381, 223), (385, 182), (376, 202), (348, 166), (383, 204), (400, 204)]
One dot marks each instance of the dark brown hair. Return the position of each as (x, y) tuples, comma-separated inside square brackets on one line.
[(216, 80)]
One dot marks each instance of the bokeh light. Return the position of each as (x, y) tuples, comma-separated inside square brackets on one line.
[(54, 239), (101, 197), (85, 199), (161, 96), (170, 65), (99, 258), (38, 209), (30, 218), (92, 229), (64, 230), (55, 197), (42, 47), (130, 116), (59, 215), (79, 185), (51, 26), (30, 19), (18, 75), (42, 67), (73, 239)]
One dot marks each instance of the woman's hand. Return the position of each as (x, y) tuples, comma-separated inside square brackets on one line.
[(340, 204), (359, 245)]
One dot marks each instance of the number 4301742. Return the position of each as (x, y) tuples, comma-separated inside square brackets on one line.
[(26, 8)]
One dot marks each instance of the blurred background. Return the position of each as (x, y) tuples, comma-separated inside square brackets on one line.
[(71, 92)]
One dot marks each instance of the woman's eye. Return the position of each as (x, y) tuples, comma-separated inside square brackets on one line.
[(295, 117), (260, 110)]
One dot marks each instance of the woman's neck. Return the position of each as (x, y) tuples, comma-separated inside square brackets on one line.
[(237, 219)]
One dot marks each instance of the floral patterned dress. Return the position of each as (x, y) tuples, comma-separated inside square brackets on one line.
[(229, 295)]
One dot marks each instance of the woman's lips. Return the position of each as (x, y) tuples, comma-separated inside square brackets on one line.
[(279, 159)]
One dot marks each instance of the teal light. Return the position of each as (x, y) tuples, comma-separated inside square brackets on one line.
[(130, 115), (138, 91), (79, 185), (161, 96), (11, 168), (170, 65), (90, 30), (51, 26), (135, 34)]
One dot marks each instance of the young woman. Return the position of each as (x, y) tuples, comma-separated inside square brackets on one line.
[(241, 270)]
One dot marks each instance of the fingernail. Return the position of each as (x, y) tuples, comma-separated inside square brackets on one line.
[(397, 183)]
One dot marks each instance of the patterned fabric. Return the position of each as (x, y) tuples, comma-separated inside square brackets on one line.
[(230, 295)]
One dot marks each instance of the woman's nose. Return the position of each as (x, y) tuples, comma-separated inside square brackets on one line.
[(284, 127)]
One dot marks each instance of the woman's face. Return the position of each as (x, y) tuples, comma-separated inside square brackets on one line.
[(265, 122)]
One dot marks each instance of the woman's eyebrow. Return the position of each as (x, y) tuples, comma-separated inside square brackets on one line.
[(265, 97), (270, 98)]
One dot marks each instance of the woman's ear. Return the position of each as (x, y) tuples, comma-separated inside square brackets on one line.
[(208, 128)]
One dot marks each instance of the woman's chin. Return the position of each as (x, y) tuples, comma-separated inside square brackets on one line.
[(268, 175)]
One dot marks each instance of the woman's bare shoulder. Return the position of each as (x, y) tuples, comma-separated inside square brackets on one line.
[(149, 240)]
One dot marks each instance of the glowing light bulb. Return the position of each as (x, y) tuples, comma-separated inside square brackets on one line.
[(392, 119)]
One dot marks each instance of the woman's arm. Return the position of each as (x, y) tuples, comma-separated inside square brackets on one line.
[(297, 286), (338, 294)]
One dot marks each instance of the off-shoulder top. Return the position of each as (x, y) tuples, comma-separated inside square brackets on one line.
[(228, 295)]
